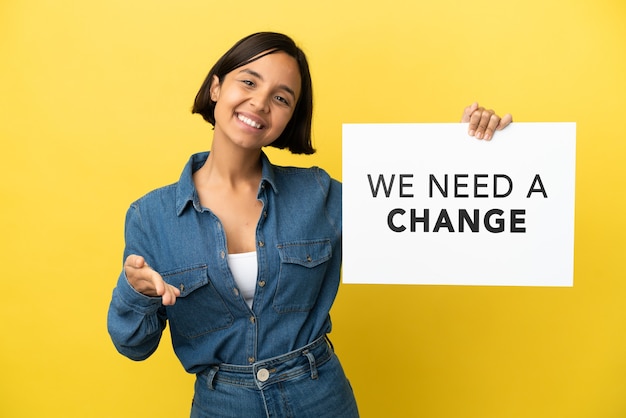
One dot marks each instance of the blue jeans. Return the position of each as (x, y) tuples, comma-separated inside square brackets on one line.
[(305, 383)]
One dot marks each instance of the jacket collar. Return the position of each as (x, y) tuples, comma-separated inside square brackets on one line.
[(186, 190)]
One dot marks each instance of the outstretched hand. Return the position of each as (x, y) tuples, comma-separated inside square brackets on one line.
[(147, 281), (484, 122)]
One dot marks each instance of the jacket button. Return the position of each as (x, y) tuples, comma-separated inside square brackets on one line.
[(261, 244), (263, 375), (250, 360), (262, 283)]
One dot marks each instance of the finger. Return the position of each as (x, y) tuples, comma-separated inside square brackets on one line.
[(493, 123), (474, 121), (163, 288), (505, 121), (485, 117), (159, 285), (467, 112), (170, 295)]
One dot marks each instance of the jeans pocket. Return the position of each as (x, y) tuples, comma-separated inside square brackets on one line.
[(199, 309), (303, 267)]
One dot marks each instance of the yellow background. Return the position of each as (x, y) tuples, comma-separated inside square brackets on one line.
[(94, 112)]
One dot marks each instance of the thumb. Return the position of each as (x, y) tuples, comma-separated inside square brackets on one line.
[(505, 121), (135, 261)]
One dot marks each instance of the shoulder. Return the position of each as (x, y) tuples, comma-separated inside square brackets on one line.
[(299, 175), (312, 187), (179, 193), (157, 200), (156, 194)]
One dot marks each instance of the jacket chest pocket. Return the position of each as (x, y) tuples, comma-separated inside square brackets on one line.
[(199, 309), (303, 267)]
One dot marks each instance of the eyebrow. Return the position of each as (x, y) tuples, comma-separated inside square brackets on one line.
[(257, 75)]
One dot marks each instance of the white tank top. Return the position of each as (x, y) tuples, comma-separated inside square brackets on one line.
[(244, 268)]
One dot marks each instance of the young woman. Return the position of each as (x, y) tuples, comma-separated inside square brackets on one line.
[(243, 257)]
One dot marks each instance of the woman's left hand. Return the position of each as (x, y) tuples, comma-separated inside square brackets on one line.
[(484, 122)]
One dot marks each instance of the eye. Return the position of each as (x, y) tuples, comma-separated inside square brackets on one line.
[(248, 83), (282, 100)]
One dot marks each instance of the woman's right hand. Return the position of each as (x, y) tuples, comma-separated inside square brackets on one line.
[(147, 281)]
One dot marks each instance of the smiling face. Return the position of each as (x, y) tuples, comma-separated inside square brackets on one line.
[(255, 102)]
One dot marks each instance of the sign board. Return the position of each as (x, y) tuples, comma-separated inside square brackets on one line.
[(428, 204)]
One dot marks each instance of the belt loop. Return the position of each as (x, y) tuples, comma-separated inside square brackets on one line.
[(210, 377), (330, 343), (311, 359)]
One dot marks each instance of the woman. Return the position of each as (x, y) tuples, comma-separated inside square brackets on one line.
[(243, 257)]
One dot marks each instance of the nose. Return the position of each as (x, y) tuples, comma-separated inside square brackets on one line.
[(261, 101)]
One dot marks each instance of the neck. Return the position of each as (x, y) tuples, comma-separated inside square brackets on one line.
[(233, 166)]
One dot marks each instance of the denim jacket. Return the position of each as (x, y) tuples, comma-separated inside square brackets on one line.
[(298, 244)]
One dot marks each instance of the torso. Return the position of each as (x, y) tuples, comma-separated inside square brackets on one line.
[(302, 238)]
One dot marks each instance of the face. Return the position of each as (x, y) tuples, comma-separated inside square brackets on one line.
[(255, 102)]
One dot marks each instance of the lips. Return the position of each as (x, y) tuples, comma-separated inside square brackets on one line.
[(249, 121)]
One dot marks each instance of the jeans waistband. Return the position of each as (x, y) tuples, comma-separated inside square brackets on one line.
[(266, 372)]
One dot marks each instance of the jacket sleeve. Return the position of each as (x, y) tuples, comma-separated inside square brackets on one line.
[(135, 321)]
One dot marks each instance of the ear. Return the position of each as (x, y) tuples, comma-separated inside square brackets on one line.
[(215, 88)]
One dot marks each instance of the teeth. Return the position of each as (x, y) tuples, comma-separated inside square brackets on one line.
[(249, 121)]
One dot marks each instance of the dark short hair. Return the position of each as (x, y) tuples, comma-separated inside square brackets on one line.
[(297, 134)]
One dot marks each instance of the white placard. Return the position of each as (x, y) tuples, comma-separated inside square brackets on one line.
[(428, 204)]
